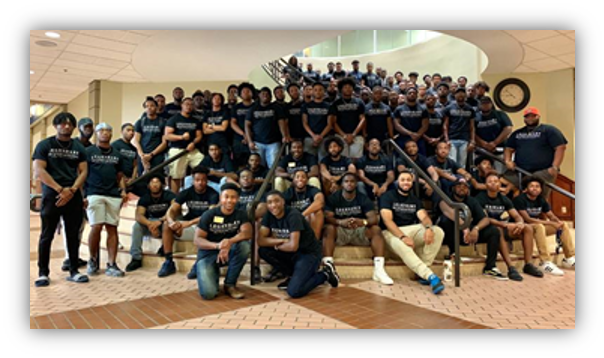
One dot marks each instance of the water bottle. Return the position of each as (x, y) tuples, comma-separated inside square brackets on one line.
[(448, 269)]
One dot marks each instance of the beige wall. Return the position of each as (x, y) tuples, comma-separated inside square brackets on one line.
[(79, 106), (553, 94)]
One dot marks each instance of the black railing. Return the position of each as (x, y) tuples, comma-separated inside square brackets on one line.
[(157, 168), (522, 172), (251, 209), (455, 205), (276, 70)]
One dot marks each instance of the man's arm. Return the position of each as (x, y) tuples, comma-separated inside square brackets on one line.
[(387, 218), (505, 133), (360, 127), (316, 206), (140, 216), (292, 244), (264, 239), (171, 137), (41, 173)]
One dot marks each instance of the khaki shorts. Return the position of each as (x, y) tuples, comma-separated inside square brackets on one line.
[(352, 237), (178, 169), (103, 210)]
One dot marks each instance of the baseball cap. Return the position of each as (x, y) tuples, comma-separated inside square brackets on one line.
[(101, 126), (531, 110), (461, 181), (84, 122)]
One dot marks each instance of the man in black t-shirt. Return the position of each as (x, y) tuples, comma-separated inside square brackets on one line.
[(493, 128), (459, 118), (288, 243), (483, 166), (434, 134), (315, 119), (220, 166), (446, 167), (376, 174), (411, 121), (379, 118), (216, 124), (241, 150), (352, 220), (149, 139), (150, 215), (60, 164), (308, 200), (347, 115), (412, 150), (294, 161), (369, 78), (334, 165), (175, 107), (128, 151), (223, 238), (293, 113)]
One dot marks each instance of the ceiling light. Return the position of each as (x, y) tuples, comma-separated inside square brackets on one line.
[(52, 35), (31, 72)]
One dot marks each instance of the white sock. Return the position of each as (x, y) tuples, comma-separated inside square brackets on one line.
[(327, 259), (378, 262)]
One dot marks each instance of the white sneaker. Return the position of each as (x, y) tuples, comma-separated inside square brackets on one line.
[(379, 273), (550, 268), (569, 263)]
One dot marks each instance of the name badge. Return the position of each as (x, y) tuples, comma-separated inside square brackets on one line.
[(218, 219), (291, 164)]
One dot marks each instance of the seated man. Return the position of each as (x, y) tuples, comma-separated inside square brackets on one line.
[(296, 160), (222, 236), (150, 215), (254, 164), (496, 205), (308, 200), (352, 220), (409, 231), (481, 229), (197, 199), (484, 166), (288, 243), (220, 166), (334, 165), (247, 195), (446, 167), (535, 210), (412, 150), (375, 171)]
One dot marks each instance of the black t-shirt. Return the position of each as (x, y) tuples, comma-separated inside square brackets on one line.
[(411, 117), (182, 125), (375, 170), (293, 111), (293, 221), (449, 166), (312, 75), (404, 207), (292, 165), (348, 113), (459, 120), (239, 112), (246, 197), (371, 80), (534, 150), (300, 200), (171, 109), (151, 132), (490, 126), (156, 208), (223, 166), (495, 207), (376, 117), (317, 115), (219, 226), (338, 167), (197, 203), (129, 154), (62, 160), (265, 122), (343, 209), (476, 210), (339, 74), (533, 207), (103, 170), (217, 119), (421, 161), (435, 129)]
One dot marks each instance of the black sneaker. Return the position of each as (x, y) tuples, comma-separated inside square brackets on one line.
[(134, 265), (66, 264), (167, 268), (283, 285), (273, 276), (257, 274), (532, 270), (514, 275), (192, 275), (494, 273), (332, 276)]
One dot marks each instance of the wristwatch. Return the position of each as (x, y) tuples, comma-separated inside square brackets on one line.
[(428, 226), (217, 246), (365, 222)]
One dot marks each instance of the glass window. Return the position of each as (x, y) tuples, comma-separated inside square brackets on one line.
[(391, 39), (327, 48), (357, 42)]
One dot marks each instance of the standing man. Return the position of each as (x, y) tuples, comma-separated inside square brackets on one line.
[(312, 75), (130, 156), (379, 118), (293, 113), (174, 108), (315, 121), (434, 134), (347, 115), (149, 139), (459, 131), (241, 150), (326, 77), (370, 79), (339, 72), (493, 128), (356, 74), (411, 121), (216, 124)]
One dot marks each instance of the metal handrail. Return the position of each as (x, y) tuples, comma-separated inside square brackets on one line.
[(32, 202), (552, 186), (251, 211), (455, 205), (275, 70), (158, 168)]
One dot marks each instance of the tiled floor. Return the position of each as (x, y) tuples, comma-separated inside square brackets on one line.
[(142, 300)]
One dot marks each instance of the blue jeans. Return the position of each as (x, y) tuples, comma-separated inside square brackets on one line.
[(301, 268), (268, 152), (214, 185), (208, 270), (459, 152), (138, 232)]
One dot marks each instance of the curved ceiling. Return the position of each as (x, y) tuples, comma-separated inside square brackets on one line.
[(62, 72)]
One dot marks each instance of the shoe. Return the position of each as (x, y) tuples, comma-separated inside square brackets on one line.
[(422, 281), (257, 274), (77, 278), (114, 271), (192, 275), (380, 275), (532, 270), (134, 265), (283, 285), (569, 263), (514, 275), (494, 273), (167, 268), (82, 263), (436, 284), (550, 268), (332, 276), (273, 276), (233, 292), (93, 267), (42, 281), (65, 266)]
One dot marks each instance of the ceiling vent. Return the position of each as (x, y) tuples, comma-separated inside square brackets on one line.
[(45, 43)]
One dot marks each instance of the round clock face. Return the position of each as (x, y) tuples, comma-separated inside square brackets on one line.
[(512, 95)]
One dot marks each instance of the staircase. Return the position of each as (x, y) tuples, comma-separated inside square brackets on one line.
[(351, 262)]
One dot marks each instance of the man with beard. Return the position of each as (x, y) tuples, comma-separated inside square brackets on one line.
[(334, 165), (422, 162), (294, 161), (232, 92), (316, 122), (332, 91), (376, 174), (411, 121), (279, 93), (347, 115), (86, 129), (161, 107), (174, 108), (308, 200), (434, 134), (484, 166), (366, 96), (129, 154), (378, 117), (339, 72), (446, 168), (220, 166), (356, 73), (312, 75), (326, 77), (460, 131), (216, 124), (149, 138), (428, 82), (481, 88), (471, 100), (493, 127), (393, 101), (241, 150), (293, 113), (442, 91), (369, 78)]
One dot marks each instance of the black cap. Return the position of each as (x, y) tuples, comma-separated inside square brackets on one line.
[(461, 181), (486, 99), (413, 74), (85, 121)]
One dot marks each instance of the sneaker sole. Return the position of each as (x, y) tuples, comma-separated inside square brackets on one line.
[(496, 278)]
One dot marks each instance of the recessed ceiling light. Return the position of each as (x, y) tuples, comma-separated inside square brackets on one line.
[(31, 72), (52, 35)]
